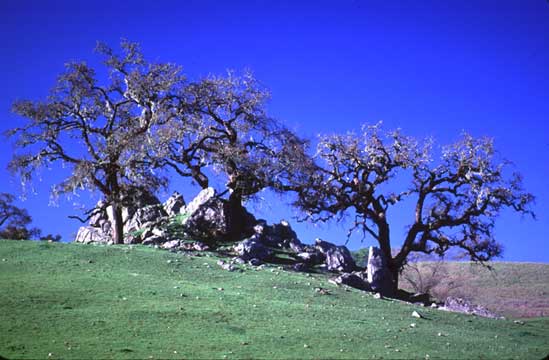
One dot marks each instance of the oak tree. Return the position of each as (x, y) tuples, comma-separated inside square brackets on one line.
[(100, 131), (222, 129), (456, 196), (15, 221)]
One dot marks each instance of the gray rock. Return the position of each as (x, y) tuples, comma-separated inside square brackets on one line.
[(154, 240), (379, 276), (99, 215), (353, 280), (207, 216), (302, 267), (200, 200), (200, 246), (226, 266), (422, 298), (255, 262), (296, 246), (259, 229), (251, 248), (277, 236), (170, 245), (284, 230), (239, 260), (323, 246), (143, 217), (463, 306), (130, 239), (174, 204), (339, 259), (92, 235)]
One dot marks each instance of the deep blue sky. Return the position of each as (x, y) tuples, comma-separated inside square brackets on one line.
[(430, 67)]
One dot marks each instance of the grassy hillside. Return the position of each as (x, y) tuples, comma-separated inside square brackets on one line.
[(82, 301), (510, 289)]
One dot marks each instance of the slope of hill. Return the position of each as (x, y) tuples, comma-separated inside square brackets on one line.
[(82, 301), (510, 289)]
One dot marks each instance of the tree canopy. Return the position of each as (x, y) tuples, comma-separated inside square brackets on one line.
[(102, 133), (15, 221), (456, 197)]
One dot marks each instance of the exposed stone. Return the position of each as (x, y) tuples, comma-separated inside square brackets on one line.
[(171, 245), (131, 239), (284, 230), (259, 229), (339, 258), (255, 262), (207, 216), (154, 240), (147, 233), (200, 246), (174, 204), (99, 215), (301, 267), (311, 258), (89, 235), (296, 246), (352, 280), (424, 299), (239, 260), (144, 216), (252, 248), (463, 306), (159, 232), (323, 246), (202, 198), (379, 277), (226, 266)]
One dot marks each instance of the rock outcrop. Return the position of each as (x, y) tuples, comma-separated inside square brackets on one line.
[(355, 279), (379, 276), (463, 306), (252, 248), (101, 222), (145, 217), (339, 259), (206, 216), (92, 235), (174, 204)]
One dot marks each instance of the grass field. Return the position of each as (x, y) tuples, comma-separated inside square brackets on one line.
[(517, 290), (83, 301)]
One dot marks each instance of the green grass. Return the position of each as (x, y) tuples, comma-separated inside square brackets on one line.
[(83, 301)]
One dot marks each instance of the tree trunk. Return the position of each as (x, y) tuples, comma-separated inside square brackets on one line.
[(394, 270), (236, 216), (118, 226)]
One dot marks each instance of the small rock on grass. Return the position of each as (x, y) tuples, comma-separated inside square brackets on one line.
[(417, 315)]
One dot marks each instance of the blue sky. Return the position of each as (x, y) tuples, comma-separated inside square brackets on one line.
[(432, 68)]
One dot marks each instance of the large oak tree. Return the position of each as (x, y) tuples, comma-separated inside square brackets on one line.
[(222, 130), (101, 132), (456, 196)]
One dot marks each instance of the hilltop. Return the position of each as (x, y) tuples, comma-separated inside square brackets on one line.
[(83, 301)]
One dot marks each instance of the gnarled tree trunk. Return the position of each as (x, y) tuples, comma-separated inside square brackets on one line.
[(236, 216), (118, 224)]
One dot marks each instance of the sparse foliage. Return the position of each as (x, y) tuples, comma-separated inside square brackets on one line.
[(429, 274), (223, 127), (14, 221), (456, 197), (102, 133)]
